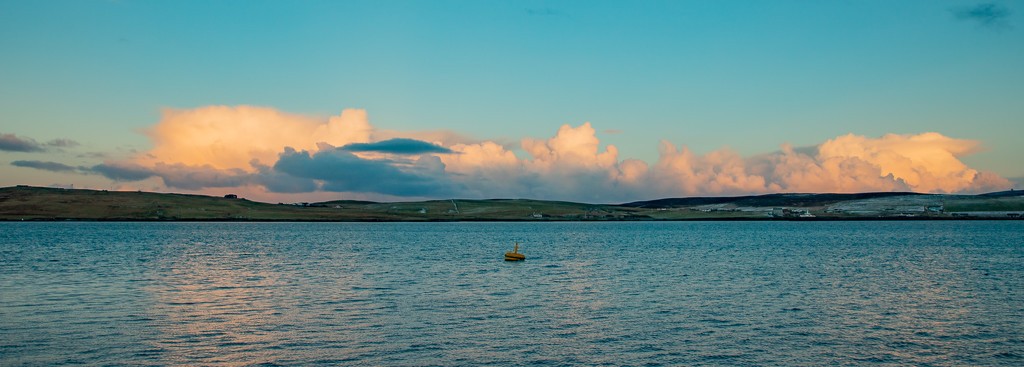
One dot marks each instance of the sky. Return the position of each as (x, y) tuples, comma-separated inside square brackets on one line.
[(591, 101)]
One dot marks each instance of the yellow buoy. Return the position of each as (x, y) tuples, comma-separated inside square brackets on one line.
[(515, 255)]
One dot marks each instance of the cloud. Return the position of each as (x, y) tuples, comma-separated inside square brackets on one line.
[(571, 165), (397, 146), (227, 137), (12, 143), (986, 14), (266, 151), (122, 171), (46, 166), (62, 143), (330, 169), (182, 176), (94, 155), (680, 171), (925, 162), (190, 177), (570, 147), (279, 182), (231, 137), (342, 171)]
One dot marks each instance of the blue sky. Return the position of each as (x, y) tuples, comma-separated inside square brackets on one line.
[(745, 75)]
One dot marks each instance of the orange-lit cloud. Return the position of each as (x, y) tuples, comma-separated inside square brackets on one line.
[(268, 151), (227, 137), (231, 137), (926, 162)]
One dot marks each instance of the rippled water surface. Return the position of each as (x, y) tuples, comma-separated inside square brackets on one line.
[(680, 293)]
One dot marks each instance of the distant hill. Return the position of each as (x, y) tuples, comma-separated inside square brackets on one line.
[(769, 200), (38, 203), (1005, 193)]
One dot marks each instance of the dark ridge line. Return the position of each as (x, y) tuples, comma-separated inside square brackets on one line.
[(777, 199), (764, 200), (513, 220)]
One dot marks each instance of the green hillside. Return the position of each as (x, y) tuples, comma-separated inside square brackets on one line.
[(37, 203)]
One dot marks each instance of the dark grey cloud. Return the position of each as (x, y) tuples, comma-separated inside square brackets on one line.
[(94, 155), (181, 176), (397, 146), (297, 172), (122, 171), (198, 177), (342, 171), (46, 166), (810, 151), (280, 182), (331, 169), (113, 171), (986, 14), (12, 143), (62, 143), (177, 176)]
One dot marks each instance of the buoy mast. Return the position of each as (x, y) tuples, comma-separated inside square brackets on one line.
[(515, 255)]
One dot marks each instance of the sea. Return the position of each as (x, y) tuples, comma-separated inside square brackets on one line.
[(923, 293)]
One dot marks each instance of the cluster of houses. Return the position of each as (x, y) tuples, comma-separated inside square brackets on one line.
[(990, 215), (790, 213), (888, 210)]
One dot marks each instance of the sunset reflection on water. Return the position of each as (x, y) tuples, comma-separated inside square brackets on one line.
[(250, 305)]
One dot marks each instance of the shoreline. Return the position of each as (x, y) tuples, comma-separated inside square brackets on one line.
[(25, 203), (498, 220)]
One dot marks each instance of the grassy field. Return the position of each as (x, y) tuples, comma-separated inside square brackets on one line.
[(985, 204), (36, 203)]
